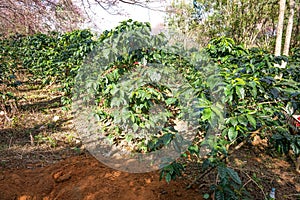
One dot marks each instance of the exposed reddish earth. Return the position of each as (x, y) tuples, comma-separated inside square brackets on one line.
[(83, 177)]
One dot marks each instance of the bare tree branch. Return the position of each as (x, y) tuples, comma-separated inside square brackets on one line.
[(112, 6), (31, 16)]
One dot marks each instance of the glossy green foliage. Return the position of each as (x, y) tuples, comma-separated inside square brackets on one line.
[(239, 90), (48, 58), (252, 92), (256, 89), (229, 185), (133, 71)]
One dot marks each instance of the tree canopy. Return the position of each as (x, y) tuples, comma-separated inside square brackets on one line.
[(253, 23), (32, 16)]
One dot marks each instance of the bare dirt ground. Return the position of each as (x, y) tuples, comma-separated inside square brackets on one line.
[(83, 177), (41, 157)]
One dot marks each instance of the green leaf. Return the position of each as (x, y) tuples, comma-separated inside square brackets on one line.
[(170, 101), (225, 132), (157, 56), (194, 149), (240, 91), (254, 92), (233, 121), (243, 120), (232, 133), (240, 81), (206, 114), (234, 175), (128, 137), (168, 177), (206, 196), (135, 127), (228, 90), (218, 111), (132, 117), (167, 138), (252, 120)]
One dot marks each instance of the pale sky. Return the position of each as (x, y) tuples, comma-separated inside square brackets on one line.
[(105, 21)]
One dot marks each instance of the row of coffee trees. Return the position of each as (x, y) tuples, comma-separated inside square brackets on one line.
[(240, 92)]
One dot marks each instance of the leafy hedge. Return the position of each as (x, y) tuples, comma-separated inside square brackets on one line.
[(52, 58), (256, 90), (242, 91)]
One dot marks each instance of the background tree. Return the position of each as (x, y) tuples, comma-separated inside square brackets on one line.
[(251, 22), (279, 30), (296, 26), (31, 16), (289, 29)]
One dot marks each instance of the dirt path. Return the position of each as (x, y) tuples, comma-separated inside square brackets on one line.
[(84, 178)]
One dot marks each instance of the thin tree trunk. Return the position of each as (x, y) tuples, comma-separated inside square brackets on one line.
[(298, 24), (289, 29), (280, 27)]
